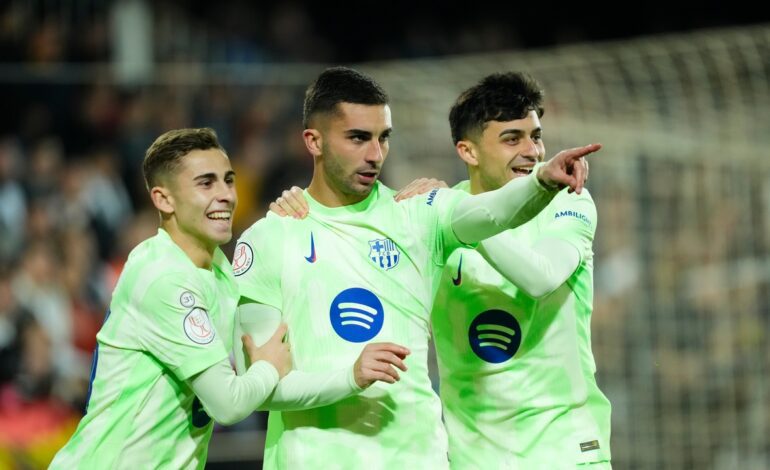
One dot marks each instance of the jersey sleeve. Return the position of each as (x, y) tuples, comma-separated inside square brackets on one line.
[(572, 217), (257, 262), (433, 211), (173, 325)]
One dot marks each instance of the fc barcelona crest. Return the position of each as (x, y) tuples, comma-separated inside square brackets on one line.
[(384, 253)]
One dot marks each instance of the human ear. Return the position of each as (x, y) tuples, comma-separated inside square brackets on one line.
[(467, 152)]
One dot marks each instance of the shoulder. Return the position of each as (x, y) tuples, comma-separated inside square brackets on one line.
[(155, 258), (261, 243), (437, 198), (267, 229), (385, 191), (464, 186), (269, 223), (568, 206), (169, 290)]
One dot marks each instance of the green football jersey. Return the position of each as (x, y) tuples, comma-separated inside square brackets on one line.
[(343, 277), (517, 373), (168, 321)]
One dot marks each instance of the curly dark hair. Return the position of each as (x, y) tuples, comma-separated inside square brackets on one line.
[(497, 97)]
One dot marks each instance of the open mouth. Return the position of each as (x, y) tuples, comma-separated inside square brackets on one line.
[(220, 215), (522, 170), (367, 176)]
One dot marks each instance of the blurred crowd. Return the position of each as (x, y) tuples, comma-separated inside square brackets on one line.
[(682, 301), (73, 204)]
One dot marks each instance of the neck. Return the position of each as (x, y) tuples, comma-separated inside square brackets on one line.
[(477, 186), (201, 255), (325, 193)]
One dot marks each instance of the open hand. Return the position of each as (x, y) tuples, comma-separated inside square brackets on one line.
[(378, 361)]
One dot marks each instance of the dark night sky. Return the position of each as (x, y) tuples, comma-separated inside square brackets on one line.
[(353, 32)]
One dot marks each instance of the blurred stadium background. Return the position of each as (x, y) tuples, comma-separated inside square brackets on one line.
[(679, 98)]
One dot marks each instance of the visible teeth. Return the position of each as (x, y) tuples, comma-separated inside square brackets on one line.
[(220, 215)]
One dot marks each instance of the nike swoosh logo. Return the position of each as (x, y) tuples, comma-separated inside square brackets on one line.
[(311, 258), (457, 280)]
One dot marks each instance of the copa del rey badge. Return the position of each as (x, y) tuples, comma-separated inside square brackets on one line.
[(243, 258), (197, 326)]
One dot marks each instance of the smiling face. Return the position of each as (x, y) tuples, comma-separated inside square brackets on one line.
[(349, 146), (503, 151), (197, 201)]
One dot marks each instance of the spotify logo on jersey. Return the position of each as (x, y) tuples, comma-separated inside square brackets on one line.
[(495, 336), (356, 315)]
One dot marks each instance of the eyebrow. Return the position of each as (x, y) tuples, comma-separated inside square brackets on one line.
[(518, 132), (362, 132), (212, 175), (358, 132)]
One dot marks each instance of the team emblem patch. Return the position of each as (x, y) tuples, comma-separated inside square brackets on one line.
[(384, 253), (495, 336), (197, 326), (356, 315), (243, 257)]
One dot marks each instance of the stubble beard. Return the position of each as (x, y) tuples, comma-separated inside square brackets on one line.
[(345, 183)]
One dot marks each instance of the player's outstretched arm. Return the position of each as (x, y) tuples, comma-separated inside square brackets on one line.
[(229, 398), (304, 390), (538, 270), (540, 267), (483, 215)]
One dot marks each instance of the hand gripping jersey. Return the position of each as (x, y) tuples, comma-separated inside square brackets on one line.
[(344, 277), (168, 321), (517, 373)]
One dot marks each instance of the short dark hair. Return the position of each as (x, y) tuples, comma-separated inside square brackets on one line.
[(340, 85), (165, 154), (497, 97)]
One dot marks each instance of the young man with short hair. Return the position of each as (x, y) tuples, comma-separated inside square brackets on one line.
[(161, 369), (361, 268), (512, 319)]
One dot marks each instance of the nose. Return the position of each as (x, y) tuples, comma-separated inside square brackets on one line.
[(227, 194), (375, 151), (532, 150)]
